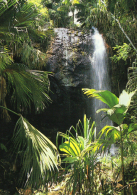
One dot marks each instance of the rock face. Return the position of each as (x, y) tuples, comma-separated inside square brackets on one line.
[(68, 60)]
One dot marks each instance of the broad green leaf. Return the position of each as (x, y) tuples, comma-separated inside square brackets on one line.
[(103, 95), (117, 113), (70, 159), (118, 107)]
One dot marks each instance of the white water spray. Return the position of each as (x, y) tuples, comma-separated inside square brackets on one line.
[(100, 80), (99, 63), (99, 75)]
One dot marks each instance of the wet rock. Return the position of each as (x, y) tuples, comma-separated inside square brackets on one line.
[(70, 64)]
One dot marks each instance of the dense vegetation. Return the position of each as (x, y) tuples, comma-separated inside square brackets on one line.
[(29, 161)]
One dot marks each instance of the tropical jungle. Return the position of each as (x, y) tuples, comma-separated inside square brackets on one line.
[(50, 142)]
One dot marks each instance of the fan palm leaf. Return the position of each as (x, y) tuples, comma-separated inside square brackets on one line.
[(39, 156), (26, 15), (25, 84), (29, 86), (4, 5)]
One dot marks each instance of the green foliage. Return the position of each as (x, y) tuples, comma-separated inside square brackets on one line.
[(21, 81), (116, 112), (79, 153), (30, 86), (117, 106), (116, 20), (24, 84), (38, 155), (105, 96), (122, 52), (58, 13)]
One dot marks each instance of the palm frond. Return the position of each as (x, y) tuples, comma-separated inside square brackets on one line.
[(29, 86), (26, 15), (89, 129), (5, 58), (32, 57), (5, 5), (39, 156)]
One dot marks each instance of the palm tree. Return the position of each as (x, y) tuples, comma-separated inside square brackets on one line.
[(18, 58), (24, 84)]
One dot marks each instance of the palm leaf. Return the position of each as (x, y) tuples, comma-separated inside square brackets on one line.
[(5, 58), (71, 146), (5, 5), (31, 57), (38, 154), (26, 15), (29, 86)]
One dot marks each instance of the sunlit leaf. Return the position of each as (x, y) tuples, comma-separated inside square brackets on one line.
[(125, 98), (118, 106), (39, 156), (105, 96), (71, 147)]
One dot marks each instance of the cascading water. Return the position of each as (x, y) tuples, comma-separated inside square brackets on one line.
[(99, 79), (99, 63), (99, 75)]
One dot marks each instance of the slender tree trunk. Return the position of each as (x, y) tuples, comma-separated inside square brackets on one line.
[(122, 160), (121, 28)]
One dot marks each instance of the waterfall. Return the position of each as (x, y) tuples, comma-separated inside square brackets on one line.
[(99, 76), (100, 80), (99, 63)]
